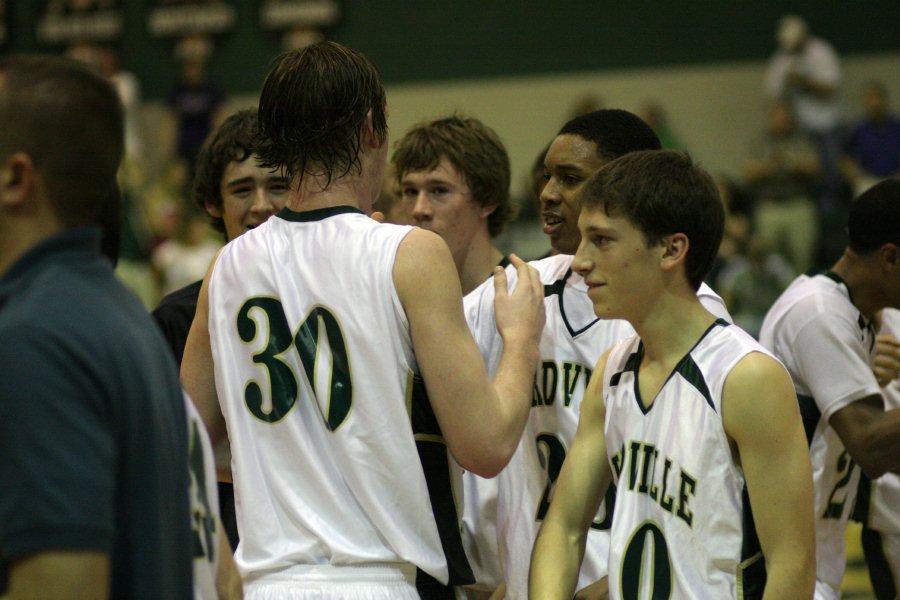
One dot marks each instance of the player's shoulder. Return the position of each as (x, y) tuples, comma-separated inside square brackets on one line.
[(713, 302), (809, 297), (552, 268), (624, 355), (420, 247), (729, 343)]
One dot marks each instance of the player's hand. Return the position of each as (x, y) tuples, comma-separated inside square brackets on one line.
[(520, 314), (599, 590), (378, 216), (887, 359)]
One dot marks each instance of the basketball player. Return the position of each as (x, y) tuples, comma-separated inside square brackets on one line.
[(878, 502), (571, 344), (453, 178), (821, 329), (328, 329), (693, 421), (238, 195), (453, 175)]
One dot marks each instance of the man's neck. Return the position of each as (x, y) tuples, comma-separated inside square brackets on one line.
[(673, 326), (19, 236), (344, 191), (856, 275), (479, 263)]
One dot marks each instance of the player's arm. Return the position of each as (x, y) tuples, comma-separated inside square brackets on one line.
[(583, 481), (197, 369), (761, 415), (836, 365), (481, 421), (870, 434), (60, 575), (228, 579)]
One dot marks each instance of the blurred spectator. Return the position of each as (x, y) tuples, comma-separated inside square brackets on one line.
[(184, 259), (780, 172), (872, 152), (129, 89), (194, 102), (751, 282), (805, 71), (737, 227), (655, 116), (584, 104)]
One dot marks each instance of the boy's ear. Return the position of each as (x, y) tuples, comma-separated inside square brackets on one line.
[(213, 210), (674, 249), (487, 211), (17, 180), (371, 138)]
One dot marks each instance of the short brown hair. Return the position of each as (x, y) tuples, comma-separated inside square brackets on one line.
[(474, 149), (68, 119), (663, 192)]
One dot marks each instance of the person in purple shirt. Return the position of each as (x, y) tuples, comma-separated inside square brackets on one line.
[(872, 151)]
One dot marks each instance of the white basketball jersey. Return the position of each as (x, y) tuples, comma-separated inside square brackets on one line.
[(879, 500), (329, 427), (572, 342), (682, 526), (204, 493), (828, 348)]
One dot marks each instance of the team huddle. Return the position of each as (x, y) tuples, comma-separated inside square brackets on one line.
[(399, 410)]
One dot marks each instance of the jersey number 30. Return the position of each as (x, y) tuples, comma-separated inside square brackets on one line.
[(319, 326)]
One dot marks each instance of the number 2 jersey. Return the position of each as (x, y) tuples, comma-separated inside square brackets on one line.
[(682, 525), (828, 349), (315, 374)]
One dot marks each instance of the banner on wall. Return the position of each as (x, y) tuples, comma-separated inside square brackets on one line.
[(299, 21), (69, 21), (284, 14), (185, 17), (3, 32)]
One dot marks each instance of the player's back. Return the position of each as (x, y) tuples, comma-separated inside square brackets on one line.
[(314, 369)]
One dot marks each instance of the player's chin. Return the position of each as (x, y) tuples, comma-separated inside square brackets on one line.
[(603, 308)]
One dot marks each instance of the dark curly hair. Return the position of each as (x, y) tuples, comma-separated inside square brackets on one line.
[(236, 139), (312, 109)]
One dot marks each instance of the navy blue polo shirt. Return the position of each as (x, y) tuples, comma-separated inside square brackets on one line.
[(93, 438)]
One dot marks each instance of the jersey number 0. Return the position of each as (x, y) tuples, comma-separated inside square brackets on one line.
[(319, 326)]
